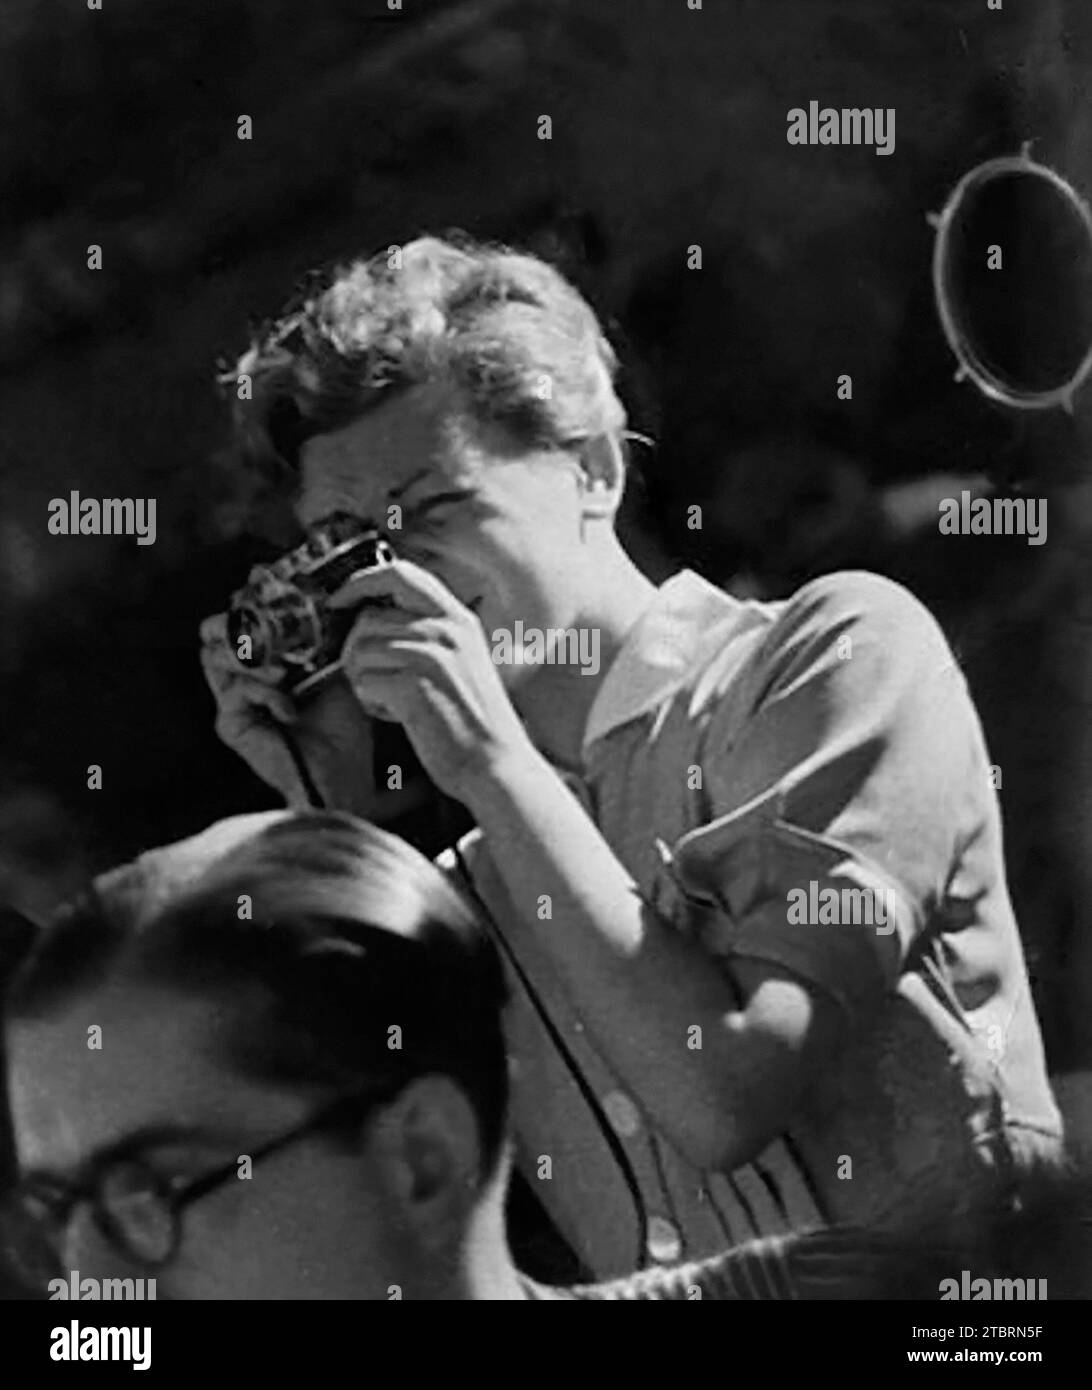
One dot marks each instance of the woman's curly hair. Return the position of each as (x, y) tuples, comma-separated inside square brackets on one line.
[(519, 343)]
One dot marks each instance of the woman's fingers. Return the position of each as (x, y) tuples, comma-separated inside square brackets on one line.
[(248, 707), (213, 629)]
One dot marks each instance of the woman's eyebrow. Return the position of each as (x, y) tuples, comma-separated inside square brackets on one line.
[(439, 499)]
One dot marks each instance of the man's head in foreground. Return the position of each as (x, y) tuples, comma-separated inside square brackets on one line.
[(268, 1063)]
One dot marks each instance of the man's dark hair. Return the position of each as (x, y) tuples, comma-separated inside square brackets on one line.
[(367, 965)]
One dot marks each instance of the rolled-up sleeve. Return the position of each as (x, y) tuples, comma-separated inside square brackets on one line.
[(844, 768)]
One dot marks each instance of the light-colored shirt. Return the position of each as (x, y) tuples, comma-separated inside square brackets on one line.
[(804, 783)]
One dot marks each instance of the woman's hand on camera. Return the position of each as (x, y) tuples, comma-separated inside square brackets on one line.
[(423, 661), (253, 715)]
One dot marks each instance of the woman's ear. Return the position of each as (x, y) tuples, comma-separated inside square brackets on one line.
[(603, 474)]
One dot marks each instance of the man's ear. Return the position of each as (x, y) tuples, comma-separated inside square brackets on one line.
[(429, 1145), (603, 475)]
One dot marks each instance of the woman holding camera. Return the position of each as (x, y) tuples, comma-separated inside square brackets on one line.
[(698, 1058)]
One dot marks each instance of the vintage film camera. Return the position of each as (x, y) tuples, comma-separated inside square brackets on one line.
[(282, 608)]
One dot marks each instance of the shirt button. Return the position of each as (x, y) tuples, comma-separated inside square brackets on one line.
[(664, 1241), (623, 1115)]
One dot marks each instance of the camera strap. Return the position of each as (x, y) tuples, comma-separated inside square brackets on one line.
[(314, 796), (591, 1100)]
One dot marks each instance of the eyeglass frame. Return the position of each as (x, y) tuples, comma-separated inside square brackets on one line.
[(66, 1195)]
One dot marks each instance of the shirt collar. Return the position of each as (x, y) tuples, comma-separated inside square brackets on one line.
[(686, 623)]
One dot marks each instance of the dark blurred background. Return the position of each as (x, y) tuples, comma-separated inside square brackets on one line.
[(119, 128)]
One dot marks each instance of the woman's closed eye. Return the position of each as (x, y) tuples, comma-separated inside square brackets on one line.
[(424, 513)]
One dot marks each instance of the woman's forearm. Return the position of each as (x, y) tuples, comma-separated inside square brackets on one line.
[(639, 986)]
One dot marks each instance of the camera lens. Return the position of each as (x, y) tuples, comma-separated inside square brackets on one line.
[(246, 621), (295, 628)]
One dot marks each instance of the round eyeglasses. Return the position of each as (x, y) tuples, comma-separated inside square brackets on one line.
[(136, 1208)]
